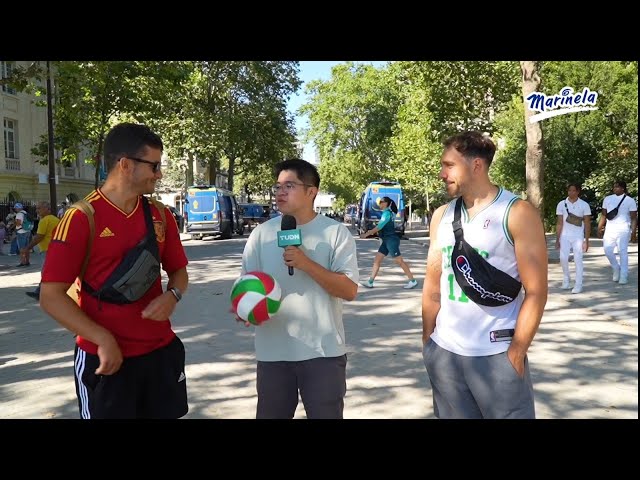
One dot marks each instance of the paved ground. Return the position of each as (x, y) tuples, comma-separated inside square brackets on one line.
[(584, 360)]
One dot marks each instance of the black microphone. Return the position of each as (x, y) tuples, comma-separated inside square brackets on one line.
[(289, 234)]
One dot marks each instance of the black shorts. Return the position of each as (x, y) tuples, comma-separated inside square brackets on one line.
[(152, 385)]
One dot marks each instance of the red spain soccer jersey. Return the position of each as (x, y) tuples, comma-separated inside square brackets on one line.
[(115, 234)]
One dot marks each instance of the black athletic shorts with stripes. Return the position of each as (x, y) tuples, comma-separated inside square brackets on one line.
[(152, 385)]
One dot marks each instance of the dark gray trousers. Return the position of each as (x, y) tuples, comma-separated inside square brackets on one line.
[(321, 382)]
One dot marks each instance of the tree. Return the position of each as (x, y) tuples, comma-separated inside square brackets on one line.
[(535, 148), (351, 117)]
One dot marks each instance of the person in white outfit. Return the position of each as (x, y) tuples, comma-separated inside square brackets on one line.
[(572, 233), (618, 230)]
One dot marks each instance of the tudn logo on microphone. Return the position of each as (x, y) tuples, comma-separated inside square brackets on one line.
[(465, 267), (289, 237)]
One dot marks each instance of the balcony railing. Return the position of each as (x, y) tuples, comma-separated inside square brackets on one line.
[(12, 164)]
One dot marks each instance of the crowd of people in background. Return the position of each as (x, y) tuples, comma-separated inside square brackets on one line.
[(11, 232)]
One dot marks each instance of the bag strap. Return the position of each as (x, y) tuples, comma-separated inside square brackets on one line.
[(622, 200), (457, 225), (86, 208), (160, 206)]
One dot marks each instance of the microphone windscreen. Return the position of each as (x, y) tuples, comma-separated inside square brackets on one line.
[(288, 222)]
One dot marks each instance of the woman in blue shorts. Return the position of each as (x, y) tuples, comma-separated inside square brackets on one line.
[(390, 243)]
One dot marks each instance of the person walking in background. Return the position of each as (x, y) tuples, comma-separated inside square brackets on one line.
[(302, 350), (573, 228), (477, 327), (46, 226), (618, 222), (128, 361), (3, 236), (23, 236), (390, 244), (62, 210)]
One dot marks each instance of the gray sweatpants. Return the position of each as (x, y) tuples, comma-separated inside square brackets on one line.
[(477, 387)]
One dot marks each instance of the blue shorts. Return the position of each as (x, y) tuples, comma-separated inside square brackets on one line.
[(390, 246)]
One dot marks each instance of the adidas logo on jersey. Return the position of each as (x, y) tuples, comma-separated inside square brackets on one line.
[(107, 233)]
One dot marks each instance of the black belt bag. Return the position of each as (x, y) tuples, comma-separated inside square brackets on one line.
[(614, 213), (483, 283), (136, 273)]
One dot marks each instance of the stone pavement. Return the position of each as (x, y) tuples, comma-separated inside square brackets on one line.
[(584, 359)]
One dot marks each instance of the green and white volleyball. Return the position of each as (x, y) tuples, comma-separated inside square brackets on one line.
[(255, 297)]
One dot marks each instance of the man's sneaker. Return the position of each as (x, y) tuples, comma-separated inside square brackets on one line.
[(577, 289), (411, 284), (623, 280), (368, 283), (566, 284), (616, 274), (33, 295)]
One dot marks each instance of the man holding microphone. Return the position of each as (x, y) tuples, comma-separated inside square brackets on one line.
[(302, 349)]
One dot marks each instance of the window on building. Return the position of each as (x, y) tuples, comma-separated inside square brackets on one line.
[(10, 139), (6, 68)]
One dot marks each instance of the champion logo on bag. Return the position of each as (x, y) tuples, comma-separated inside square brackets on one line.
[(465, 267)]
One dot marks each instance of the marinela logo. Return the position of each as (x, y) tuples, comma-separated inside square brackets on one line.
[(564, 102)]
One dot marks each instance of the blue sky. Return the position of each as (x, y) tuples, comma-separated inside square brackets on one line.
[(313, 71)]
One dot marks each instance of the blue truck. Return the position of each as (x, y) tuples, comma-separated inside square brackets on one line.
[(212, 211), (369, 212)]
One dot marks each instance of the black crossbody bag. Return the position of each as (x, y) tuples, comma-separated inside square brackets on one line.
[(136, 273), (483, 283), (614, 213)]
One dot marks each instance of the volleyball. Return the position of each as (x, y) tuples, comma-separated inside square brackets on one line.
[(255, 297)]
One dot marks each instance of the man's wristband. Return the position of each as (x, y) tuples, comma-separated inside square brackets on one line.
[(176, 293)]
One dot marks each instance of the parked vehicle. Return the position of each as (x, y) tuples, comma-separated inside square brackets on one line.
[(253, 213), (178, 216), (350, 214), (369, 212), (212, 211)]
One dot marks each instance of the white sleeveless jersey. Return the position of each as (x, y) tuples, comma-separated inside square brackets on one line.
[(464, 327)]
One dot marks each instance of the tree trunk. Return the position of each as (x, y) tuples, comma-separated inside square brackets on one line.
[(232, 167), (189, 173), (98, 158), (535, 145), (213, 170)]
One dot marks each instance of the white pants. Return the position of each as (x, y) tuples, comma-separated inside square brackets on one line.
[(566, 245), (619, 237)]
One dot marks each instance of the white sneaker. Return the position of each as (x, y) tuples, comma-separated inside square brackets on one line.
[(616, 274), (623, 280), (577, 289), (565, 284), (411, 284), (368, 283)]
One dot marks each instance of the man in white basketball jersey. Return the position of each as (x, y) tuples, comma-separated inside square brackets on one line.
[(618, 230), (573, 229), (476, 355)]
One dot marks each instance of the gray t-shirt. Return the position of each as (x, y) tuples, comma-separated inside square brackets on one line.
[(309, 321)]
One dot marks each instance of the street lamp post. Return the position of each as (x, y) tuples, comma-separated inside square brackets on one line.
[(52, 162)]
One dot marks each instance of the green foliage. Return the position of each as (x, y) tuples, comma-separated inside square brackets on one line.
[(351, 117)]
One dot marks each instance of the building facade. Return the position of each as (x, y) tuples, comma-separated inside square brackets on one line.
[(23, 123)]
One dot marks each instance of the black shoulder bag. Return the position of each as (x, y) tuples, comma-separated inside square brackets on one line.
[(614, 213), (137, 271), (483, 283)]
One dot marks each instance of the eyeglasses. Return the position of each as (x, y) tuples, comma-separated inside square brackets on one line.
[(155, 166), (287, 187)]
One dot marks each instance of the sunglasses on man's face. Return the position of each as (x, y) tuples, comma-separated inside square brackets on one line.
[(155, 166)]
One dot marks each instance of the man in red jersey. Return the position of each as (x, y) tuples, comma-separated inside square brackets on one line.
[(128, 361)]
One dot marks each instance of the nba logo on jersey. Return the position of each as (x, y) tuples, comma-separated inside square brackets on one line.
[(486, 223)]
